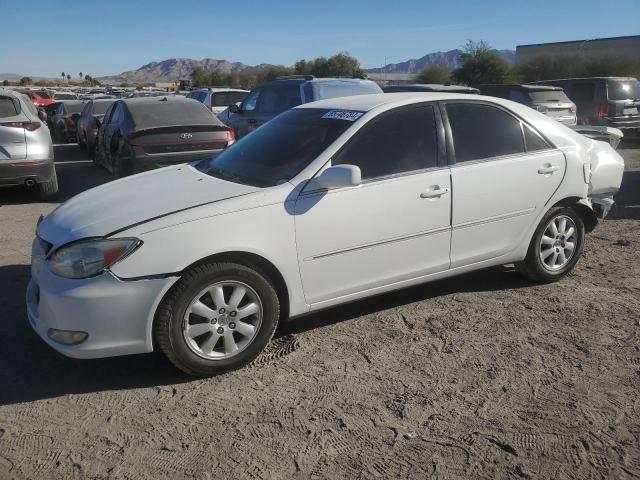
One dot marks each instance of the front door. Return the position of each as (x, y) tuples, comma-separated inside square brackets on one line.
[(395, 226)]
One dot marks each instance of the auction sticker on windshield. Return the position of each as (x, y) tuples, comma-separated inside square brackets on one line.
[(348, 115)]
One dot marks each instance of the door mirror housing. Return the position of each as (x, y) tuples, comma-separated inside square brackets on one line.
[(339, 176), (42, 115), (235, 108)]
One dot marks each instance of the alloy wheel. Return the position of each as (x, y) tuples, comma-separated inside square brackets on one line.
[(558, 243), (222, 320)]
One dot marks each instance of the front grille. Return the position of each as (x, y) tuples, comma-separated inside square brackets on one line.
[(187, 147)]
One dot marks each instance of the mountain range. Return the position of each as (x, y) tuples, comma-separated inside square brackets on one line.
[(450, 59), (174, 69)]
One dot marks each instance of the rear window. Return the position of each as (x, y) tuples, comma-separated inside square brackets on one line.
[(100, 107), (548, 96), (72, 108), (44, 95), (157, 112), (64, 96), (224, 99), (623, 90), (7, 107)]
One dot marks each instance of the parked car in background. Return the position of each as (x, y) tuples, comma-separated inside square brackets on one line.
[(429, 87), (549, 100), (89, 121), (39, 98), (26, 150), (58, 96), (139, 134), (62, 117), (330, 202), (608, 101), (272, 98), (218, 99)]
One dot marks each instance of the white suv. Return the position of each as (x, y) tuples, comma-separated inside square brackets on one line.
[(218, 99)]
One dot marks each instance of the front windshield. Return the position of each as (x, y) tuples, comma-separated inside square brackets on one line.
[(280, 149)]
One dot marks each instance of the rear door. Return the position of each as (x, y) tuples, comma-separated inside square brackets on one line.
[(245, 118), (504, 174), (13, 143)]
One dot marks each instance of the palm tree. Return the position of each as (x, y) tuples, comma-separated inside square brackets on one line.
[(80, 75), (68, 77), (63, 75)]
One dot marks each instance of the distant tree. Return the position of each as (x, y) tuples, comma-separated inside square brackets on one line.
[(63, 76), (339, 65), (434, 74), (80, 75), (26, 81), (5, 82), (68, 77), (480, 64), (200, 77)]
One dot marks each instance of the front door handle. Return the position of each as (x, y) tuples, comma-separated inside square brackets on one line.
[(434, 192), (547, 169)]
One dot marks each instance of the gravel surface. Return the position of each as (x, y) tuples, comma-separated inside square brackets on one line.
[(479, 376)]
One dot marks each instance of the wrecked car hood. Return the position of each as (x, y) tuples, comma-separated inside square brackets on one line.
[(130, 201)]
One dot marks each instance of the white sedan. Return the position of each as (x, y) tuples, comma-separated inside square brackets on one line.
[(330, 202)]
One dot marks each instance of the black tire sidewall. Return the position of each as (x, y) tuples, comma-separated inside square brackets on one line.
[(222, 272), (533, 258)]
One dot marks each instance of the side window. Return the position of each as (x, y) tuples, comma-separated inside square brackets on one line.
[(532, 140), (278, 98), (86, 110), (517, 96), (400, 141), (107, 114), (7, 107), (583, 92), (249, 104), (482, 131)]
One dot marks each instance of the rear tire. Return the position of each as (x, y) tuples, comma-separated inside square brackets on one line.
[(49, 189), (123, 163), (205, 351), (556, 246)]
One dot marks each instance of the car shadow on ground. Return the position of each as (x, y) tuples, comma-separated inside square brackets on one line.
[(31, 370), (76, 173)]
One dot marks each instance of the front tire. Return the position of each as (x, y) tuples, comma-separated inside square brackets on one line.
[(217, 318), (123, 163), (556, 246)]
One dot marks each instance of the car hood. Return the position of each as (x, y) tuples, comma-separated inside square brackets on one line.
[(123, 203)]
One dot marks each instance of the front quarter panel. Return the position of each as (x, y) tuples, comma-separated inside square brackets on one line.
[(264, 230)]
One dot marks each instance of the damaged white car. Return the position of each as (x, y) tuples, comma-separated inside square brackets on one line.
[(330, 202)]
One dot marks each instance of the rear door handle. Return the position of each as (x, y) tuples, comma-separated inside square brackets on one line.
[(434, 192), (547, 169), (252, 121)]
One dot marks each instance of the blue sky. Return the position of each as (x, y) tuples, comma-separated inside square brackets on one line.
[(45, 37)]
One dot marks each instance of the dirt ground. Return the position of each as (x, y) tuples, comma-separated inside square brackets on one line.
[(480, 376)]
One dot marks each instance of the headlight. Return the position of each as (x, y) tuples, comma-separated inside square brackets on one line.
[(88, 258)]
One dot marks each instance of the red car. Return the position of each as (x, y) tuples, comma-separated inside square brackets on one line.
[(40, 98)]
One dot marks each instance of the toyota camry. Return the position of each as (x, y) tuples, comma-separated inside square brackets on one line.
[(329, 202)]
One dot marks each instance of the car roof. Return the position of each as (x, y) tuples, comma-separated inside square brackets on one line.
[(219, 89), (432, 87), (588, 78), (364, 103), (299, 79), (536, 88)]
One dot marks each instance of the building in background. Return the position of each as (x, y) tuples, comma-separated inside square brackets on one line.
[(598, 47)]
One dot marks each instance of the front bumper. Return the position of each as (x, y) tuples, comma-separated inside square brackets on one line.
[(116, 314)]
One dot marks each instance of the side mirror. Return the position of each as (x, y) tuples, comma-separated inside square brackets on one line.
[(339, 176), (42, 115), (235, 108)]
